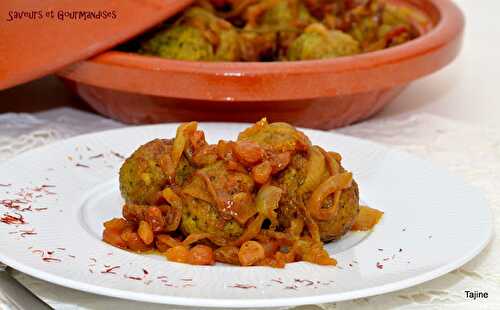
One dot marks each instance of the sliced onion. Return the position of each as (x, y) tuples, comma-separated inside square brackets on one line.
[(249, 132), (336, 199), (174, 213), (168, 241), (181, 138), (267, 201), (311, 225), (329, 186), (315, 170), (312, 252), (367, 218), (195, 237), (173, 218), (211, 190), (331, 163), (243, 208), (252, 230), (296, 227), (196, 189), (336, 156), (171, 197)]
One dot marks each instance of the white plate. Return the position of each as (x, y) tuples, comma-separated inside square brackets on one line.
[(433, 223)]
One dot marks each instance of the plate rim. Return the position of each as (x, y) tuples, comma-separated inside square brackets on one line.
[(245, 303)]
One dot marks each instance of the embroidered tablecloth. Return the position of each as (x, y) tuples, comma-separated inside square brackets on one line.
[(470, 152)]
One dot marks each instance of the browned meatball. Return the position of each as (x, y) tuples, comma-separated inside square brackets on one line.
[(346, 214), (291, 179), (275, 137), (143, 175), (226, 217)]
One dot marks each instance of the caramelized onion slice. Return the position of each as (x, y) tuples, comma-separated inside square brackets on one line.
[(250, 131), (310, 223), (252, 230), (168, 240), (195, 237), (173, 218), (296, 227), (184, 131), (174, 213), (244, 207), (313, 252), (211, 190), (331, 162), (197, 189), (315, 170), (171, 197), (267, 201), (329, 186), (367, 218)]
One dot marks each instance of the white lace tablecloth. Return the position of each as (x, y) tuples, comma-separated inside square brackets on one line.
[(472, 153)]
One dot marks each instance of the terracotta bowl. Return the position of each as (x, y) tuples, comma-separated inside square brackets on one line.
[(320, 93)]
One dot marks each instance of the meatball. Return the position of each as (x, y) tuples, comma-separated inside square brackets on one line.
[(219, 33), (292, 178), (199, 216), (228, 48), (271, 26), (381, 25), (346, 214), (317, 42), (275, 137), (179, 42), (217, 201), (143, 176), (285, 14), (257, 46), (199, 35)]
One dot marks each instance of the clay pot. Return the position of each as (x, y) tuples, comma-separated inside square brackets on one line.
[(319, 93)]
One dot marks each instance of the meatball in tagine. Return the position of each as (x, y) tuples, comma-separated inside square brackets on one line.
[(282, 30)]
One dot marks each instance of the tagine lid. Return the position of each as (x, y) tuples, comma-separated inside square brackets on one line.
[(41, 37)]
